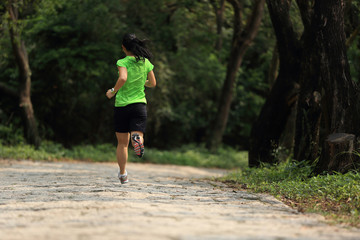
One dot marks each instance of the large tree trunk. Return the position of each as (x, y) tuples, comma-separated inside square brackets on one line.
[(240, 43), (267, 129), (327, 90), (18, 45), (309, 107), (341, 97)]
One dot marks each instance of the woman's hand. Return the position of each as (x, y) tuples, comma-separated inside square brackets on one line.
[(119, 83), (110, 94)]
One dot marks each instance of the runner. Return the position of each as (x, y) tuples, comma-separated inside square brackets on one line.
[(135, 72)]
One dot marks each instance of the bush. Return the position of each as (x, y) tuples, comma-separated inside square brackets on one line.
[(11, 136)]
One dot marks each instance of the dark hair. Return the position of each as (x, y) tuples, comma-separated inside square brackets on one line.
[(136, 46)]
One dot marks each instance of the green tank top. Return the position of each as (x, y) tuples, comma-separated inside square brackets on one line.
[(133, 89)]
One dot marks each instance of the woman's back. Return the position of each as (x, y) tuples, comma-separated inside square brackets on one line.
[(133, 89)]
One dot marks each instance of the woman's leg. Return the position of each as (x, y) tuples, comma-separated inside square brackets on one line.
[(122, 150)]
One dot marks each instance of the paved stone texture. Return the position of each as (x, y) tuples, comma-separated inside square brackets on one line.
[(72, 200)]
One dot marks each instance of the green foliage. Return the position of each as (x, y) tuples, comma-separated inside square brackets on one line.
[(293, 183), (25, 152), (73, 64), (10, 135), (354, 59), (73, 47), (98, 153)]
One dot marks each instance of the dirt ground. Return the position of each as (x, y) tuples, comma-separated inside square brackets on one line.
[(77, 200)]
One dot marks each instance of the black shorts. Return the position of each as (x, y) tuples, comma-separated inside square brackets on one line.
[(130, 118)]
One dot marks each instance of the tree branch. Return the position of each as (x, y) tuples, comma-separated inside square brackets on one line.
[(219, 13), (253, 22), (286, 38), (352, 37), (237, 19)]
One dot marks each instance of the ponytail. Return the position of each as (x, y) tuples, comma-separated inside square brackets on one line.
[(136, 46)]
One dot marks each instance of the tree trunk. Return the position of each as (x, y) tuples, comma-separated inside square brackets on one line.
[(274, 67), (268, 128), (325, 70), (341, 97), (18, 45), (240, 43), (307, 124), (309, 107)]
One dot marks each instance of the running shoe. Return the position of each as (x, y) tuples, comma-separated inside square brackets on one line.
[(123, 178), (138, 145)]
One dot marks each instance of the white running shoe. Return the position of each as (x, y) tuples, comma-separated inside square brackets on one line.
[(123, 178)]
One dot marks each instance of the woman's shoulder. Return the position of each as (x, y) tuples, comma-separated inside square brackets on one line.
[(126, 58), (123, 62)]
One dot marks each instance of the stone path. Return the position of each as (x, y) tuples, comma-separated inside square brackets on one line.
[(65, 200)]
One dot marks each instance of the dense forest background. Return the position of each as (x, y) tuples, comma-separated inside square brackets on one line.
[(73, 46)]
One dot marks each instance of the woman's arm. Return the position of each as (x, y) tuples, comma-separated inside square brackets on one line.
[(119, 83), (151, 82)]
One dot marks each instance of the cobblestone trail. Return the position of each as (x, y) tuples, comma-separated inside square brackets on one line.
[(72, 200)]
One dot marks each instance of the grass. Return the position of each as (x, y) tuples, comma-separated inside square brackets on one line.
[(50, 151), (336, 196), (189, 155)]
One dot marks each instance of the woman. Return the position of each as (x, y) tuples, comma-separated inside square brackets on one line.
[(135, 72)]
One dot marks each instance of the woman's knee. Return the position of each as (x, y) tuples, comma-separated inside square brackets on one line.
[(122, 139), (123, 145)]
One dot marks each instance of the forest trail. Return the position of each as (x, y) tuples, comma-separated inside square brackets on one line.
[(77, 200)]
